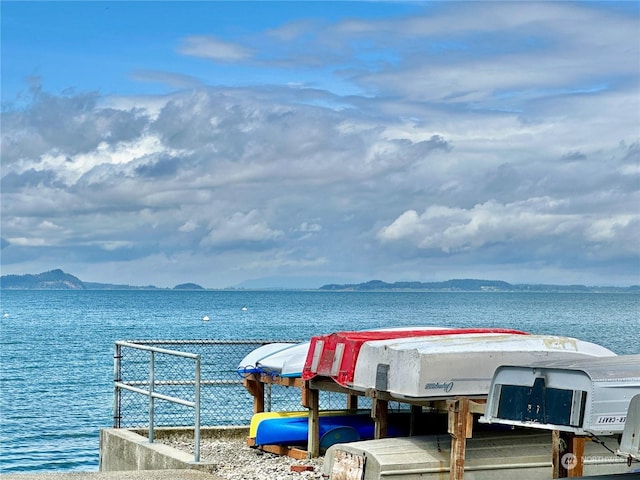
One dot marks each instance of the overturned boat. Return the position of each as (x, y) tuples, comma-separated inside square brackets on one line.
[(446, 366), (587, 396), (335, 355)]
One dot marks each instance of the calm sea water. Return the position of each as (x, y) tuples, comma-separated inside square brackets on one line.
[(56, 347)]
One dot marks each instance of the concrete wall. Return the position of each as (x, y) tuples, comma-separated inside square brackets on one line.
[(122, 449)]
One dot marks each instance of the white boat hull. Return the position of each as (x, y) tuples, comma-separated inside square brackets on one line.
[(250, 363), (291, 357), (456, 365), (589, 396), (630, 442)]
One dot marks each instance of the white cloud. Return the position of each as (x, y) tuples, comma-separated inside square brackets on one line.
[(213, 48), (115, 245), (29, 241), (188, 226), (309, 227), (540, 220), (240, 228)]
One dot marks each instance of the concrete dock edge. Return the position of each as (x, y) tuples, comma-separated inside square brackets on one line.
[(122, 450)]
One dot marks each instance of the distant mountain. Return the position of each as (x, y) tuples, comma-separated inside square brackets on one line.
[(51, 280), (116, 286), (449, 285), (59, 280), (471, 285), (188, 286)]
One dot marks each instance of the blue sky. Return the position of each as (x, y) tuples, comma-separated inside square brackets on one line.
[(302, 143), (104, 45)]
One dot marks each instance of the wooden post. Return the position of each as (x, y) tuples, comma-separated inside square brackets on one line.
[(352, 402), (313, 439), (256, 389), (460, 428), (380, 415), (576, 449), (567, 455), (555, 454), (305, 400), (416, 410)]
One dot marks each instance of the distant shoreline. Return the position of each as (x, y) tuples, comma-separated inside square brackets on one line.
[(59, 280)]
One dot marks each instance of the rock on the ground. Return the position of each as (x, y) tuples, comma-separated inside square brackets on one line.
[(234, 460)]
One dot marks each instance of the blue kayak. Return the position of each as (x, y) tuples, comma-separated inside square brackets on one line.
[(333, 429)]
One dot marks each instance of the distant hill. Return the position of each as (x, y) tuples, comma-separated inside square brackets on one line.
[(51, 280), (471, 285), (116, 286), (188, 286), (59, 280), (449, 285)]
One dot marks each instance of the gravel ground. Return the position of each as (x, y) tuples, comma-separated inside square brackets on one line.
[(234, 460)]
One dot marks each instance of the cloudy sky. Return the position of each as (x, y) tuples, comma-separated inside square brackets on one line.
[(302, 143)]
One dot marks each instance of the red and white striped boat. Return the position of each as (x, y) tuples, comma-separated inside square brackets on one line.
[(335, 355)]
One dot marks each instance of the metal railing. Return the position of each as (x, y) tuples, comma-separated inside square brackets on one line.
[(187, 383), (194, 383), (152, 393)]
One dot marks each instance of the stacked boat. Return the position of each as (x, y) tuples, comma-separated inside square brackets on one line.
[(580, 396), (456, 365), (335, 355), (275, 359), (409, 364)]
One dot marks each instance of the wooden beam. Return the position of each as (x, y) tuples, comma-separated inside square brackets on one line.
[(292, 452), (576, 449), (313, 435), (379, 394), (328, 385), (284, 381), (460, 428), (256, 389), (304, 395), (555, 454), (380, 415), (567, 455), (416, 410), (477, 406)]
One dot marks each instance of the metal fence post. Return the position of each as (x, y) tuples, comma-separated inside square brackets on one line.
[(196, 431), (267, 402), (116, 390), (151, 389)]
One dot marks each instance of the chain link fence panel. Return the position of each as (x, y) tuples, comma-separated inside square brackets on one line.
[(223, 399)]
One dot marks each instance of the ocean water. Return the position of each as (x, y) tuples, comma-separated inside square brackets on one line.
[(56, 347)]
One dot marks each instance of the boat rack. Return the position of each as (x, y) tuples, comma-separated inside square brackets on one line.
[(460, 414)]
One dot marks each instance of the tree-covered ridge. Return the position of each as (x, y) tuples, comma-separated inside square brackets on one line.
[(51, 280), (59, 280), (188, 286), (471, 285)]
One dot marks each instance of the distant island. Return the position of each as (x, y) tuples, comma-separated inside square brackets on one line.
[(188, 286), (59, 280), (471, 285)]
